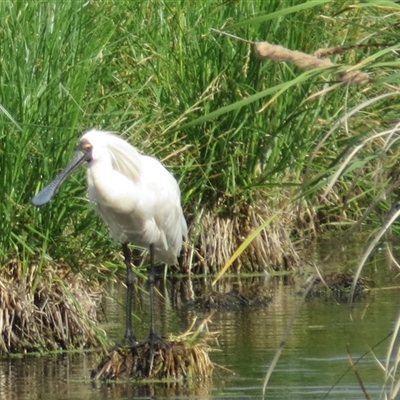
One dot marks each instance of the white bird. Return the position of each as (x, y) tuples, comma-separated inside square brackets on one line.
[(137, 198)]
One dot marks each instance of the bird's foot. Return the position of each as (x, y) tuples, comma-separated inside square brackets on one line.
[(153, 339), (153, 345), (130, 341)]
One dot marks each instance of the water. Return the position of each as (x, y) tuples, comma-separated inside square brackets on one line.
[(313, 360)]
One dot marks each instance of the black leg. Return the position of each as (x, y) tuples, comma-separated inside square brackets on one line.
[(153, 338), (151, 280), (130, 339), (152, 335)]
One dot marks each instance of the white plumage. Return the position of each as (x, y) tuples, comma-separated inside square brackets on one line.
[(135, 195)]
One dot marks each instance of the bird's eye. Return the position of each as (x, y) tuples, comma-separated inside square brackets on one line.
[(86, 146)]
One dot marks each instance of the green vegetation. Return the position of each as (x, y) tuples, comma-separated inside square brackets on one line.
[(250, 140)]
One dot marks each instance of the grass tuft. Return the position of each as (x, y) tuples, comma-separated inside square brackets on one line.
[(178, 358), (57, 312)]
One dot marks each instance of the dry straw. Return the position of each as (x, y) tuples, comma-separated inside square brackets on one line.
[(302, 60), (178, 358), (272, 248), (50, 314), (268, 51)]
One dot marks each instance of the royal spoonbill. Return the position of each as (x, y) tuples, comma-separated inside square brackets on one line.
[(137, 198)]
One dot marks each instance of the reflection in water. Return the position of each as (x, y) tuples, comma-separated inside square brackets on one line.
[(67, 377), (313, 359)]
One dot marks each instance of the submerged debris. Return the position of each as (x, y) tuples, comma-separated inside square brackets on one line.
[(230, 293), (338, 286), (231, 300)]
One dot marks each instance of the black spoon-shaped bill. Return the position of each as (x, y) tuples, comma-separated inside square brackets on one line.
[(46, 194)]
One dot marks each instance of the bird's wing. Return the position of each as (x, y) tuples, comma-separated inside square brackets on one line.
[(164, 199)]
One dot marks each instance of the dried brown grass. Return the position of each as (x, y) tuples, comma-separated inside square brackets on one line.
[(173, 360), (274, 52), (46, 311), (302, 60), (216, 237), (178, 358)]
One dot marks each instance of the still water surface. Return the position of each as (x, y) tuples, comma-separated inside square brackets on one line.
[(313, 360)]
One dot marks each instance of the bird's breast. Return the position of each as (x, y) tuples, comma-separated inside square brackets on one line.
[(113, 191)]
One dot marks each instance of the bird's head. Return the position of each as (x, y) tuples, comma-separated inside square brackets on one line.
[(83, 152), (95, 145)]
